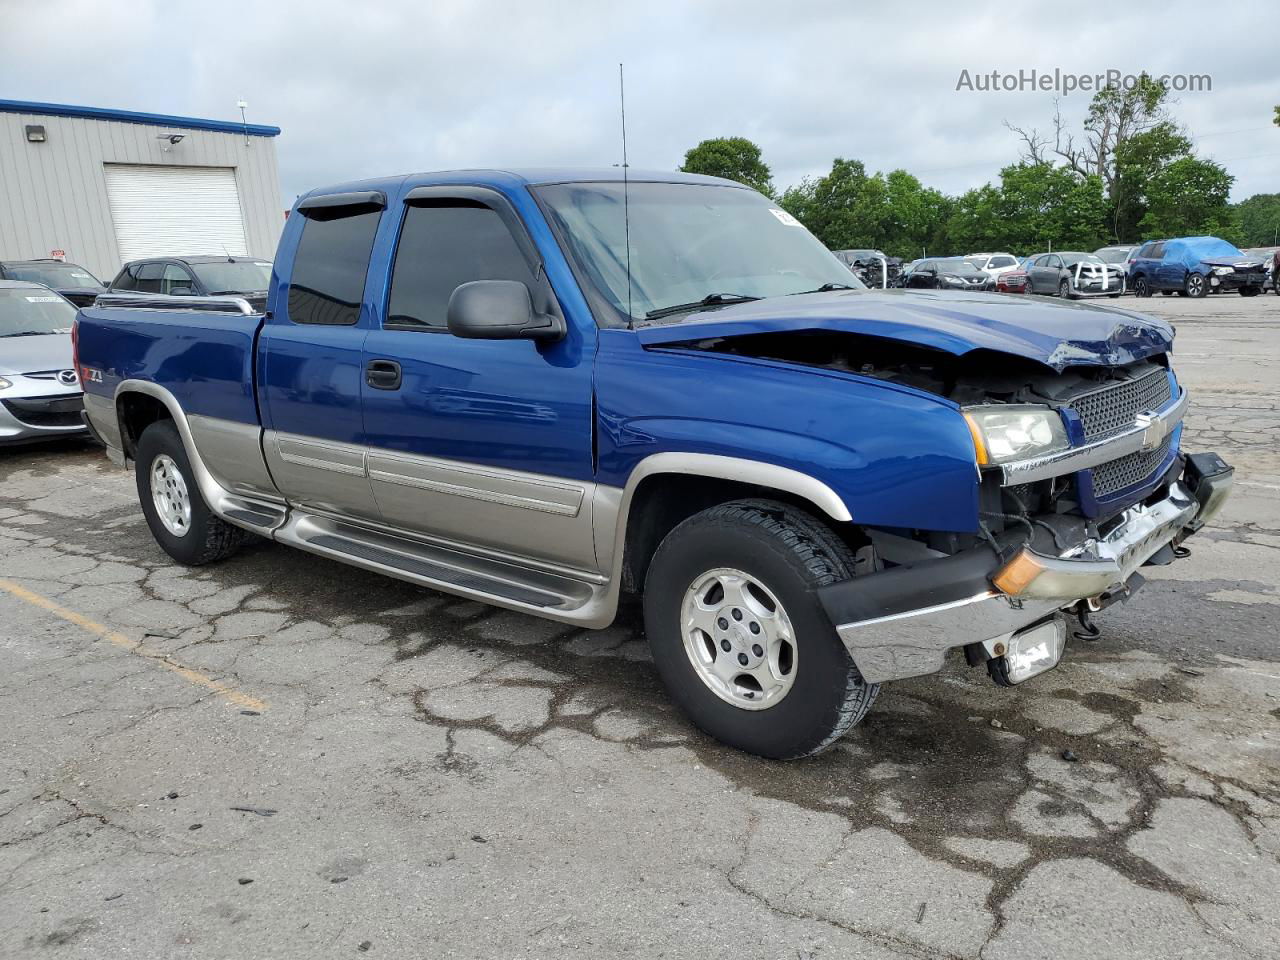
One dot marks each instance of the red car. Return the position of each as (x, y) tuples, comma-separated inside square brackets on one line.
[(1013, 281)]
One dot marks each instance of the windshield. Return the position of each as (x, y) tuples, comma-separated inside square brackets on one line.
[(52, 274), (1114, 254), (956, 265), (233, 276), (27, 312), (688, 242)]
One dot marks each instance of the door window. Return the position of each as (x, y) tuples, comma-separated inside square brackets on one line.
[(329, 269), (1156, 252), (149, 277), (175, 280), (444, 244)]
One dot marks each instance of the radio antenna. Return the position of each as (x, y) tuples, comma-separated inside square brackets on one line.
[(626, 192)]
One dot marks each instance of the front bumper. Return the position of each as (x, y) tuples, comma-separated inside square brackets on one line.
[(901, 622), (40, 417)]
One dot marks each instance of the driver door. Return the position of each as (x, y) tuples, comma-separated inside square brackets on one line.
[(483, 442)]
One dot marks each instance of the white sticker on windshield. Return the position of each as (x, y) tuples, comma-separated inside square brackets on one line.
[(44, 299), (784, 217), (80, 276)]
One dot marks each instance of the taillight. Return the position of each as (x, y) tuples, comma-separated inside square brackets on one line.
[(75, 348)]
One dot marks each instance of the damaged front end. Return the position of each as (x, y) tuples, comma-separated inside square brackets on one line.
[(1005, 600)]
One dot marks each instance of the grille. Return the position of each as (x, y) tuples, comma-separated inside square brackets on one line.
[(1114, 408), (1109, 478), (57, 412)]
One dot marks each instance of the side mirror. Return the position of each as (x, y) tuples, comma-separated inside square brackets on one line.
[(499, 310), (181, 290)]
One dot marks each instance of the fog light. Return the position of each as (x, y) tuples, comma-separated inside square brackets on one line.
[(1035, 650)]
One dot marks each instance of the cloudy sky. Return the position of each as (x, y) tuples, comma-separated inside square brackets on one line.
[(392, 86)]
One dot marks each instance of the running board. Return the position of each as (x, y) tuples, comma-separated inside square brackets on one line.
[(453, 570)]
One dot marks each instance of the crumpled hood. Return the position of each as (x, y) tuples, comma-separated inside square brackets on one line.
[(1056, 334), (34, 354)]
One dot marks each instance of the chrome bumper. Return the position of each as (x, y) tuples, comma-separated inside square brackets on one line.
[(915, 642)]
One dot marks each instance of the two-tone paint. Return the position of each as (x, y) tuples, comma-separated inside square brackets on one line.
[(521, 455)]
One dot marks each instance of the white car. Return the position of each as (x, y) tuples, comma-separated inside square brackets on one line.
[(993, 264)]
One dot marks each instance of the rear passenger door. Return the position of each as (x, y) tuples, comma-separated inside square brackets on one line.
[(485, 442), (310, 356)]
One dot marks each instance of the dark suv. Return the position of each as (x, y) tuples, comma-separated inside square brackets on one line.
[(1194, 267), (68, 279), (246, 277)]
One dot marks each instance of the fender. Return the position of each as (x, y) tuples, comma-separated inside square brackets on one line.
[(260, 515), (612, 506)]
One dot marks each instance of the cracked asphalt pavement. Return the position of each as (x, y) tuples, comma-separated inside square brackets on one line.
[(279, 756)]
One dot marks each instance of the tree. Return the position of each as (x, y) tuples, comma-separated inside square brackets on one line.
[(1116, 114), (1037, 205), (734, 158), (849, 209), (1138, 161), (1189, 197), (1258, 220)]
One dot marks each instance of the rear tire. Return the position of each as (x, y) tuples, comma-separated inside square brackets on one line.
[(775, 681), (177, 514), (1141, 286)]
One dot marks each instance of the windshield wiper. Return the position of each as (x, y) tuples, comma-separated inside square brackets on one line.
[(826, 288), (26, 333), (710, 300)]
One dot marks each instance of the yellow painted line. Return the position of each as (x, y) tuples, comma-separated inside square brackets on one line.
[(114, 637)]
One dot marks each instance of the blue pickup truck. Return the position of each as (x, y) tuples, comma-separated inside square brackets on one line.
[(548, 389)]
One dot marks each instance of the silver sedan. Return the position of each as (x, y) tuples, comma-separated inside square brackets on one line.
[(40, 396)]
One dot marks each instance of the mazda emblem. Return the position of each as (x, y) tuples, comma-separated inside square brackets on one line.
[(68, 378)]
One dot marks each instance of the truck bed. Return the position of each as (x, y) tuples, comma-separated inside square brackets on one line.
[(204, 358)]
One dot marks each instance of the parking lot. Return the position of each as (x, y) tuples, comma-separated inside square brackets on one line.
[(280, 756)]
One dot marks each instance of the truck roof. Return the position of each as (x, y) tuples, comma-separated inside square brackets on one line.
[(523, 177)]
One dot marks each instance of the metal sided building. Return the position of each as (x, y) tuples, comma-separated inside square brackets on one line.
[(101, 187)]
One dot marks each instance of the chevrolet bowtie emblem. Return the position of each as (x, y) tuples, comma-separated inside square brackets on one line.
[(1154, 430)]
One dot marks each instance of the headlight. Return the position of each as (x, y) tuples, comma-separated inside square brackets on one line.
[(5, 384), (1008, 432), (1222, 270)]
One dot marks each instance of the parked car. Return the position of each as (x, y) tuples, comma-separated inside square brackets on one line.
[(875, 268), (1118, 255), (1072, 274), (70, 280), (1195, 266), (947, 273), (815, 489), (1270, 257), (246, 277), (39, 391), (1013, 281), (993, 264)]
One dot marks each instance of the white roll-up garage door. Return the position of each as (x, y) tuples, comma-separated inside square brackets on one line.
[(163, 211)]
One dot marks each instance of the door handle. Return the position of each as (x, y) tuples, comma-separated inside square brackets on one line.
[(382, 374)]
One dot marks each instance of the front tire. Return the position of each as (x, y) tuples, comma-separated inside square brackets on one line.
[(1250, 291), (739, 636), (177, 514), (1064, 290), (1195, 286)]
